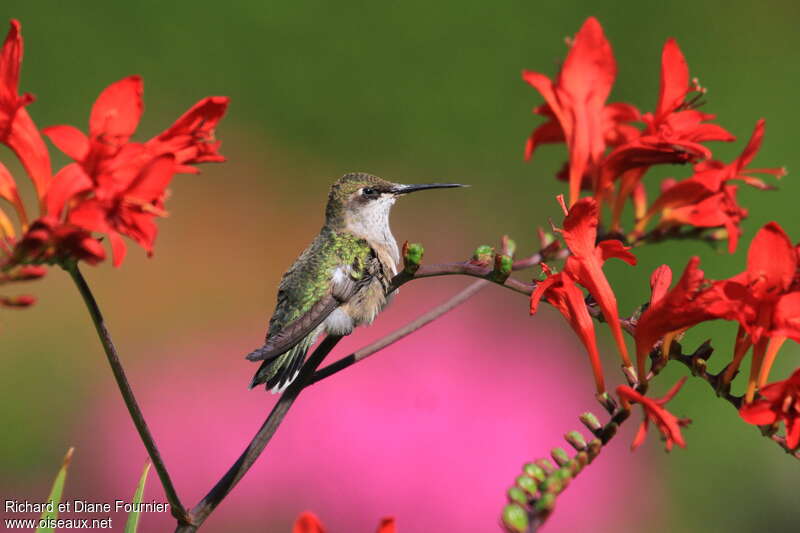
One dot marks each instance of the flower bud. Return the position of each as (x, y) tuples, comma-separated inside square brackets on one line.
[(412, 257), (482, 255), (516, 494), (575, 440), (515, 518), (546, 465), (527, 484), (535, 471), (560, 456), (545, 504)]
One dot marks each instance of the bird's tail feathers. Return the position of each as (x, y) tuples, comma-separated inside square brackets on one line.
[(279, 371)]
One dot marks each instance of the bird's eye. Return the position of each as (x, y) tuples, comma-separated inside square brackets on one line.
[(368, 192)]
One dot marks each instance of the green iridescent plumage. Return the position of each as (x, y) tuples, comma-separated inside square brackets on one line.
[(309, 278), (304, 285)]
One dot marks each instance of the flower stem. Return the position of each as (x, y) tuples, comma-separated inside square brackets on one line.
[(236, 472), (178, 511)]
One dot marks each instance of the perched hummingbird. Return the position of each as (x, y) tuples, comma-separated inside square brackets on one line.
[(339, 281)]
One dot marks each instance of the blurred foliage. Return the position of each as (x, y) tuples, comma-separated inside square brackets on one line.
[(411, 91)]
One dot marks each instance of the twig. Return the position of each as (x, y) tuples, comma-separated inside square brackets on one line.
[(178, 511), (697, 365), (436, 312), (235, 473), (398, 334)]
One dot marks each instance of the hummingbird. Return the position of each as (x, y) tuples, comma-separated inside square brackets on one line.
[(340, 281)]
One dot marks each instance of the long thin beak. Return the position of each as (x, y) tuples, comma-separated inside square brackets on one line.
[(405, 189)]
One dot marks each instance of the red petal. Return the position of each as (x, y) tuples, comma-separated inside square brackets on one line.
[(753, 145), (672, 391), (69, 181), (10, 60), (118, 248), (674, 79), (549, 132), (27, 143), (758, 413), (613, 248), (308, 523), (387, 525), (793, 432), (660, 280), (69, 140), (8, 188), (786, 317), (641, 434), (191, 138), (116, 113), (771, 261), (152, 181), (589, 69)]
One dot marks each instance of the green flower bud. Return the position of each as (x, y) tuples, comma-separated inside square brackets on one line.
[(560, 456), (515, 518)]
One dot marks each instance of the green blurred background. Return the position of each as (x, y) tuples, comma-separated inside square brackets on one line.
[(412, 91)]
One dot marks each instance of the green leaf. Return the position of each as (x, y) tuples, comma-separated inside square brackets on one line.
[(55, 493), (133, 516)]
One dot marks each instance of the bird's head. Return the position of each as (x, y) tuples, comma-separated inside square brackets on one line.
[(360, 202)]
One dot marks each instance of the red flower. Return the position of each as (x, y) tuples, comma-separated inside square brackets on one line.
[(668, 424), (707, 199), (308, 522), (768, 303), (779, 402), (673, 134), (387, 525), (131, 211), (560, 291), (585, 263), (575, 105), (117, 186), (107, 155), (17, 129), (691, 301)]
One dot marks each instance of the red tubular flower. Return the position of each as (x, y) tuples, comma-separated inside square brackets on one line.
[(668, 424), (308, 522), (575, 104), (707, 199), (585, 263), (673, 134), (779, 402), (131, 211), (768, 303), (387, 525), (691, 301), (17, 129), (117, 186), (560, 291)]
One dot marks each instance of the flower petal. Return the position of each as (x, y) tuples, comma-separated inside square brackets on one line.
[(116, 113), (308, 523), (674, 79), (69, 140)]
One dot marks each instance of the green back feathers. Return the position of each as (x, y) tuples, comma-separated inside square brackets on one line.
[(309, 278)]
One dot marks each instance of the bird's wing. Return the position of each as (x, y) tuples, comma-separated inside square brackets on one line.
[(310, 291)]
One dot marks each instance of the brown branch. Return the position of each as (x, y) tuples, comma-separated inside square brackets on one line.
[(697, 365), (202, 510), (178, 511), (399, 333), (456, 300)]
